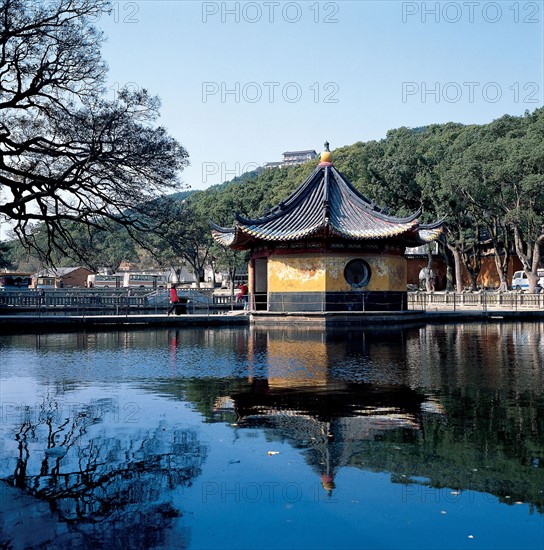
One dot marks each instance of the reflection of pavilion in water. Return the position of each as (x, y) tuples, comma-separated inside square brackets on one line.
[(328, 421), (300, 396), (366, 399)]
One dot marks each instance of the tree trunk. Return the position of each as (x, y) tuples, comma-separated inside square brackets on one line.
[(501, 263), (530, 259), (449, 278), (458, 268), (429, 282), (447, 260), (500, 240), (473, 267), (473, 280), (232, 272), (197, 277)]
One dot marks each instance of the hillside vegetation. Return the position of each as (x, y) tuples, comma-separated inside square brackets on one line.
[(486, 180)]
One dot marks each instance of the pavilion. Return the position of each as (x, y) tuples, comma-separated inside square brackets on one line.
[(327, 248)]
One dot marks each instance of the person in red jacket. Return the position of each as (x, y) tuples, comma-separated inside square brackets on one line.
[(174, 299), (242, 295)]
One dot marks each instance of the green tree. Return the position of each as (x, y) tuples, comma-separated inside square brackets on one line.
[(5, 261), (497, 174), (184, 240), (522, 178)]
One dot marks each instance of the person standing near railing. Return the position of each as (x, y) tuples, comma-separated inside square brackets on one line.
[(174, 299), (242, 295)]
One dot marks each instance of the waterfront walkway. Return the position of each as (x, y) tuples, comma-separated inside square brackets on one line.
[(64, 323), (54, 323), (422, 308), (476, 301)]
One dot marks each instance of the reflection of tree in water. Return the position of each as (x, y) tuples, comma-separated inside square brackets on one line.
[(109, 489)]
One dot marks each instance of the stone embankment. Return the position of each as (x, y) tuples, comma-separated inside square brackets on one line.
[(63, 323)]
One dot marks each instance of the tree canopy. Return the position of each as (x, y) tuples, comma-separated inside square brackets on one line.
[(67, 154)]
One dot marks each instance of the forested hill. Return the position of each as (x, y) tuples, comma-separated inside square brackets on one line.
[(481, 178), (181, 195), (446, 169), (246, 176)]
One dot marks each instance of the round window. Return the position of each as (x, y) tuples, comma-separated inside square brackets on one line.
[(357, 273)]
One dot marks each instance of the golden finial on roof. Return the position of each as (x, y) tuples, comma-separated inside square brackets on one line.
[(326, 155)]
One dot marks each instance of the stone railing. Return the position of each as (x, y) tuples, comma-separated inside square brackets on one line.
[(117, 301), (514, 301), (72, 299)]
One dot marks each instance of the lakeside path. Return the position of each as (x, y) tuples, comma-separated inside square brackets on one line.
[(65, 323), (70, 323)]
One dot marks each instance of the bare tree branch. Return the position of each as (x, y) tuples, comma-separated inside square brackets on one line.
[(66, 153)]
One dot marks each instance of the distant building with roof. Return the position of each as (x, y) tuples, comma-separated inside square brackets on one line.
[(326, 248), (298, 157), (273, 164), (61, 277), (291, 158)]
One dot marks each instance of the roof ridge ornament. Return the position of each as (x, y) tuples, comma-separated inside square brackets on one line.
[(326, 156)]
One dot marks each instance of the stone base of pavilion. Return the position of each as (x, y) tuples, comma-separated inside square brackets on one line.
[(337, 318)]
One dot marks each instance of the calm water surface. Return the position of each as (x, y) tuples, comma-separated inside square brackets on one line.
[(428, 437)]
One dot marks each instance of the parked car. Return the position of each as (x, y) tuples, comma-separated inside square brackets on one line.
[(520, 280)]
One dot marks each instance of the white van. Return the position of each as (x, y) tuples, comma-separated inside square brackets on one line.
[(520, 280)]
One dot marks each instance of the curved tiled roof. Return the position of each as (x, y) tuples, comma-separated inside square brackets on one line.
[(326, 205)]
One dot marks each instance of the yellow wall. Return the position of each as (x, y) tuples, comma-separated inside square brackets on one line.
[(301, 273), (320, 273), (388, 272)]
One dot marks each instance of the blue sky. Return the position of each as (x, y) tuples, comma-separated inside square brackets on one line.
[(241, 82)]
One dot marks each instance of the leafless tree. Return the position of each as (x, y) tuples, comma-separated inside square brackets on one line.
[(67, 154)]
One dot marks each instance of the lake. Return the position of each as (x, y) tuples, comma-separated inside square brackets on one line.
[(422, 437)]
